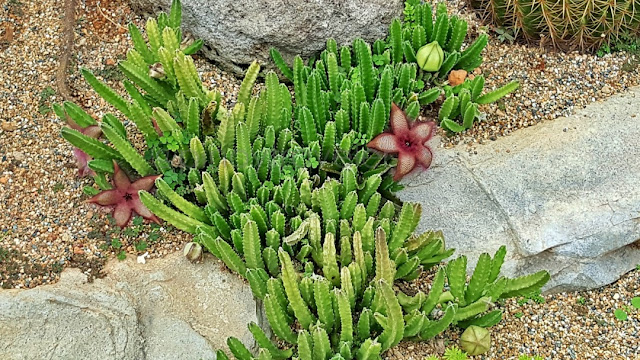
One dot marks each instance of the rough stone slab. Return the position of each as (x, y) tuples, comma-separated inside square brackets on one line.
[(164, 309), (563, 195), (237, 32)]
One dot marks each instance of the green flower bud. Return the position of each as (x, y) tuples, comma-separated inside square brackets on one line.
[(475, 340), (430, 57), (193, 252)]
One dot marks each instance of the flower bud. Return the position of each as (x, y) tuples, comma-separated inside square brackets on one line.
[(156, 71), (176, 161), (430, 57), (193, 252), (475, 340), (187, 41)]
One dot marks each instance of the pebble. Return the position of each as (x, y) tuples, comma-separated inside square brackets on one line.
[(9, 125)]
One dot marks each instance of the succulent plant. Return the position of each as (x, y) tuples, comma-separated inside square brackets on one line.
[(345, 88), (453, 353), (124, 199), (579, 25), (449, 32), (343, 100), (288, 195), (408, 141), (462, 103), (475, 340), (78, 120), (174, 113)]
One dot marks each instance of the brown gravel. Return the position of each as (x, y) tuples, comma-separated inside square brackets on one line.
[(45, 226)]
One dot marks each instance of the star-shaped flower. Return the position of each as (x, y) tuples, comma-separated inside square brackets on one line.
[(124, 197), (83, 158), (406, 140)]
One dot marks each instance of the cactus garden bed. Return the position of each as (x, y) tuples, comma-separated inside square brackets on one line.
[(279, 201)]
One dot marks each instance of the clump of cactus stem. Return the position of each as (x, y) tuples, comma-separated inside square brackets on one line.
[(582, 25)]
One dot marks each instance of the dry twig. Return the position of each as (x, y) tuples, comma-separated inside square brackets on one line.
[(68, 36)]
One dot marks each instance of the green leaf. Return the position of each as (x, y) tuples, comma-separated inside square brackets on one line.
[(181, 203), (498, 93), (281, 64), (127, 151), (451, 125), (620, 314), (106, 92), (290, 281), (93, 147), (175, 218), (248, 82)]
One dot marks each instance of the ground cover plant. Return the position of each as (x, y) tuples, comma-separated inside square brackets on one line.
[(286, 192)]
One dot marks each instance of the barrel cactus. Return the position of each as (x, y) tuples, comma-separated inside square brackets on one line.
[(576, 24)]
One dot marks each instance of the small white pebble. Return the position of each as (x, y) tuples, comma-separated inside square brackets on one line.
[(142, 258)]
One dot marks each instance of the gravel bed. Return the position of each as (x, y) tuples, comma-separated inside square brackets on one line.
[(46, 226)]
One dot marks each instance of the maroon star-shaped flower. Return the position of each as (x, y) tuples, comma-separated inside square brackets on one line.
[(406, 140), (82, 158), (124, 197)]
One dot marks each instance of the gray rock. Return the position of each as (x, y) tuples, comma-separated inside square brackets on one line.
[(568, 202), (164, 309), (237, 32)]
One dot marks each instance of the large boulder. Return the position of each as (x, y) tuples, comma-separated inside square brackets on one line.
[(164, 309), (562, 196), (237, 32)]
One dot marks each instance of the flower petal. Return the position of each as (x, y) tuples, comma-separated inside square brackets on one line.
[(72, 124), (120, 179), (122, 214), (142, 210), (107, 198), (406, 163), (422, 131), (155, 126), (144, 183), (424, 156), (384, 142), (82, 159), (399, 123), (93, 131)]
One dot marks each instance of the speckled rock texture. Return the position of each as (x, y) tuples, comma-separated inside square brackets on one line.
[(164, 309), (563, 196), (237, 32)]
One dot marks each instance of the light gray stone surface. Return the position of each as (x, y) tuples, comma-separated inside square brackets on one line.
[(563, 196), (237, 32), (164, 309)]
